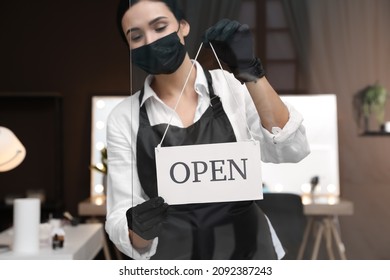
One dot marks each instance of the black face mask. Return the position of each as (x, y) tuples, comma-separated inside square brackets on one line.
[(163, 56)]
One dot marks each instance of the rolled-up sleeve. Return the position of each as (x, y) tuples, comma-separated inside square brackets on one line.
[(287, 144)]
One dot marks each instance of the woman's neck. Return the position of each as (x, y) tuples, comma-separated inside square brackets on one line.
[(170, 85)]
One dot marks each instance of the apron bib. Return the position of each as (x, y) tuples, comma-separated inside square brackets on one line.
[(232, 230)]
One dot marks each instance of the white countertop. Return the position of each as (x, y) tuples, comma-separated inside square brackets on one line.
[(82, 242)]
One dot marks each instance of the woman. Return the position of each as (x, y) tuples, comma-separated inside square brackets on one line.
[(139, 222)]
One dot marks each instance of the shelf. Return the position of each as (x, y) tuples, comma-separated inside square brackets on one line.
[(30, 95), (375, 133)]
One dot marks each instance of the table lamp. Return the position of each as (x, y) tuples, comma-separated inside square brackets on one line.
[(12, 152)]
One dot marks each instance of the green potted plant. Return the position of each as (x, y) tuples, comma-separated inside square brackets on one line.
[(102, 166), (374, 101)]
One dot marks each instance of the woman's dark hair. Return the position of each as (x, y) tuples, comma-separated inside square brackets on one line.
[(124, 5)]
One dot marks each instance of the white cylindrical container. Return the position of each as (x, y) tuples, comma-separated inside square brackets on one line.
[(27, 213), (387, 127)]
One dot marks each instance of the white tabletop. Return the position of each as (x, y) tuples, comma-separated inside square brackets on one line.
[(82, 242), (342, 207)]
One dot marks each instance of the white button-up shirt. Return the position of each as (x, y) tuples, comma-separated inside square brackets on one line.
[(287, 144)]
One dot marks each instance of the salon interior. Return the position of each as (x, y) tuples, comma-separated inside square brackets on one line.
[(64, 67)]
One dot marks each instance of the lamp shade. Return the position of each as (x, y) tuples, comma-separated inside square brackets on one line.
[(12, 152)]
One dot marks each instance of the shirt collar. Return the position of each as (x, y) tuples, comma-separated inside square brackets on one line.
[(201, 84)]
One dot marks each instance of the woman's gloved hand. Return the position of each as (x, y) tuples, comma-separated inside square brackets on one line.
[(146, 218), (233, 44)]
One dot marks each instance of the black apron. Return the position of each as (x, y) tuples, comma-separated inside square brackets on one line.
[(230, 230)]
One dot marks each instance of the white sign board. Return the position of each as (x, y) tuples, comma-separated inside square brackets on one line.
[(209, 173)]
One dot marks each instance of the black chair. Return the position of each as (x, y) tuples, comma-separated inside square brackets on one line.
[(285, 211)]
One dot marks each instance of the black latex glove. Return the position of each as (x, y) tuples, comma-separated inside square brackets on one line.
[(146, 218), (233, 44)]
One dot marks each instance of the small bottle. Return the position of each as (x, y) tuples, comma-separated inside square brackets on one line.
[(58, 241), (57, 233)]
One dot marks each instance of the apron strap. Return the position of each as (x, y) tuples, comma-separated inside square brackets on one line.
[(143, 116), (214, 99)]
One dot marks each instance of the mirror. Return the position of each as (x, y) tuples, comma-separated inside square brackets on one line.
[(323, 161), (101, 108)]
